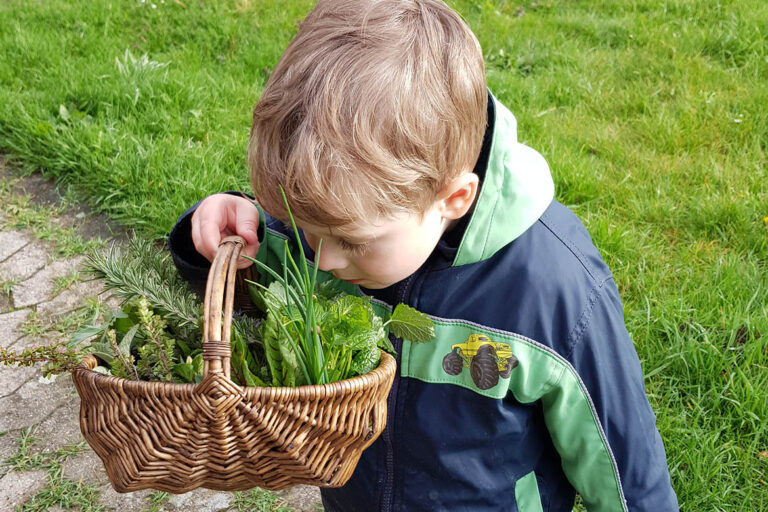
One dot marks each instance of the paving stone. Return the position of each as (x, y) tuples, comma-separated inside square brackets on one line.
[(17, 486), (8, 446), (32, 403), (202, 500), (303, 498), (9, 326), (40, 286), (24, 262), (11, 242), (70, 299), (44, 339), (86, 468), (13, 377), (124, 502), (63, 426), (5, 302)]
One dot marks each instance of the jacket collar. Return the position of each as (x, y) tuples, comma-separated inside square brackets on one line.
[(516, 188)]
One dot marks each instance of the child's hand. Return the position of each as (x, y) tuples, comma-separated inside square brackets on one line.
[(223, 215)]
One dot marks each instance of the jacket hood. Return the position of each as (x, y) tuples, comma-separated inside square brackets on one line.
[(516, 188)]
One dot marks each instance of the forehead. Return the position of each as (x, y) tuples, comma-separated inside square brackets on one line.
[(357, 230)]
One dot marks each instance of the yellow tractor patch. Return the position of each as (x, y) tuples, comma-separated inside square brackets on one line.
[(486, 360)]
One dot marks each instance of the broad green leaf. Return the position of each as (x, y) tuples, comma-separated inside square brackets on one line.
[(85, 333), (412, 325), (103, 351), (365, 360), (185, 370)]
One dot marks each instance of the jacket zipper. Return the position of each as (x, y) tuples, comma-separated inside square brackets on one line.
[(389, 479)]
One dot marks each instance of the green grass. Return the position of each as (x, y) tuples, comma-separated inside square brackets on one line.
[(651, 114), (21, 212), (258, 500), (59, 490)]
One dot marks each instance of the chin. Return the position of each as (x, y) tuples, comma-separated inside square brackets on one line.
[(373, 286)]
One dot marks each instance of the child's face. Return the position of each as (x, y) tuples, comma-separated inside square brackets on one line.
[(379, 254)]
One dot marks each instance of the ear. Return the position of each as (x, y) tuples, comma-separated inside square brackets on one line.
[(458, 196)]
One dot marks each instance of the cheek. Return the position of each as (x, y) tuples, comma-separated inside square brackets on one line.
[(311, 240)]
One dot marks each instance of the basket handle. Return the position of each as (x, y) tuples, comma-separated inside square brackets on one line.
[(220, 293)]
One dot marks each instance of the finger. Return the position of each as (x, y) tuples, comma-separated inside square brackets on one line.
[(247, 222), (210, 236), (196, 233), (247, 226)]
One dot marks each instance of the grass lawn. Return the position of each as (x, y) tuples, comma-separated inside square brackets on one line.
[(651, 113)]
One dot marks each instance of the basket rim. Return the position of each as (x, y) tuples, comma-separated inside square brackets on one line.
[(387, 364)]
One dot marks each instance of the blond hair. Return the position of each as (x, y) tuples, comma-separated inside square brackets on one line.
[(373, 108)]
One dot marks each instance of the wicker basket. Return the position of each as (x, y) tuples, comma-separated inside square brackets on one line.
[(218, 435)]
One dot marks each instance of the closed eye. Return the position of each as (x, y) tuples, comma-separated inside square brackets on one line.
[(356, 249)]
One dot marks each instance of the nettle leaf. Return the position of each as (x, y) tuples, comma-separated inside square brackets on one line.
[(350, 308), (386, 345), (365, 360), (327, 291), (407, 323)]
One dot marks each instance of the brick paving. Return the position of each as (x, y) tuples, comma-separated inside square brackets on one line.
[(51, 406)]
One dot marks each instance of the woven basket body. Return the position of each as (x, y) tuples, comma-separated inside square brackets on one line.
[(217, 435)]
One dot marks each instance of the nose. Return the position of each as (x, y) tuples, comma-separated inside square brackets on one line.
[(331, 257)]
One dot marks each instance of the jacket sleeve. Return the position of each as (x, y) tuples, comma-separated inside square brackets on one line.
[(600, 419), (192, 265)]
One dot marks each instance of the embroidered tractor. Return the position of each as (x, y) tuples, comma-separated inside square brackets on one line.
[(486, 360)]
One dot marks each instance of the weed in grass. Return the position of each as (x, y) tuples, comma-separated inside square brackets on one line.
[(259, 500), (64, 493), (25, 460), (62, 283), (34, 326), (59, 491), (22, 213), (88, 312), (7, 286), (156, 501)]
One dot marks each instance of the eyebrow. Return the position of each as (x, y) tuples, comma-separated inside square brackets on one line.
[(351, 238)]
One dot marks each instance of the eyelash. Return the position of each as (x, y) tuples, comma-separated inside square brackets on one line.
[(356, 249)]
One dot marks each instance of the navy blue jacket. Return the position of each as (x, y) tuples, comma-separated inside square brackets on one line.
[(532, 390)]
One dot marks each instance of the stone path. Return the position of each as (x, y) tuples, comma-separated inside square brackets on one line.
[(39, 291)]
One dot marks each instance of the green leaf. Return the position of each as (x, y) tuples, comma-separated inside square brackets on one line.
[(85, 333), (386, 345), (410, 324), (197, 366), (183, 347), (103, 351), (125, 343), (275, 296), (63, 113), (185, 370), (365, 360), (123, 321), (269, 337)]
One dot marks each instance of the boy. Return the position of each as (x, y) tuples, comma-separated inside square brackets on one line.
[(378, 124)]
